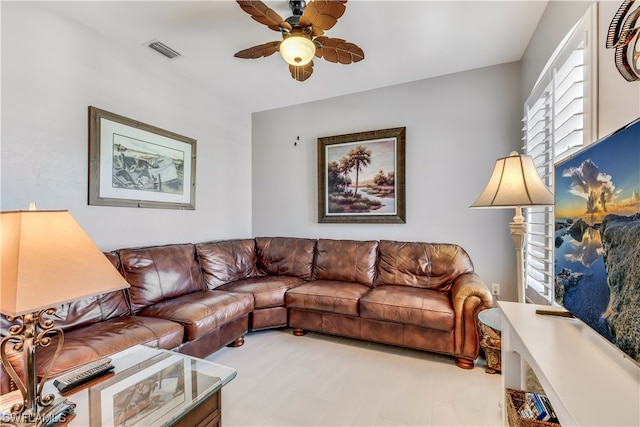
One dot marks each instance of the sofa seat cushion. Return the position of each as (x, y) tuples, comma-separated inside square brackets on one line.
[(407, 305), (267, 291), (328, 296), (202, 312), (102, 339)]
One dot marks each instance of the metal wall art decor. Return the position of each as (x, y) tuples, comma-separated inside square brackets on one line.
[(361, 177), (624, 37), (137, 165)]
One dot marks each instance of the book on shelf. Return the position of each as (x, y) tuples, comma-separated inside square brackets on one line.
[(547, 404), (538, 407)]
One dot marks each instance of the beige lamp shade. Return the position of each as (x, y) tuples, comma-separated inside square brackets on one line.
[(48, 260), (515, 182)]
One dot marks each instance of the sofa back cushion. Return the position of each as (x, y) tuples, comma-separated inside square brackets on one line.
[(227, 261), (94, 309), (157, 273), (421, 265), (285, 256), (346, 260)]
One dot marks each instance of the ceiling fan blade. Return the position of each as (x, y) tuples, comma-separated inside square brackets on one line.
[(338, 50), (259, 51), (322, 15), (264, 14), (301, 72)]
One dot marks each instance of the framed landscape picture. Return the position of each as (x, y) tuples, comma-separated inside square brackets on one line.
[(138, 165), (361, 177)]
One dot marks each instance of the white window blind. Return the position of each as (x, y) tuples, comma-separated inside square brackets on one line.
[(558, 121)]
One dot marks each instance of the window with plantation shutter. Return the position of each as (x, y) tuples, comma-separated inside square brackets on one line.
[(558, 121)]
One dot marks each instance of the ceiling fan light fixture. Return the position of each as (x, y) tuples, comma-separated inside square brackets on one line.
[(297, 49), (302, 35)]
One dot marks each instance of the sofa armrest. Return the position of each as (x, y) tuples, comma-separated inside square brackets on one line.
[(469, 296)]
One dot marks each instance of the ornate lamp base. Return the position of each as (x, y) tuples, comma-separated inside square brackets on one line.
[(33, 330), (55, 413)]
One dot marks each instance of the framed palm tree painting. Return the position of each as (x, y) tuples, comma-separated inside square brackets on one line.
[(361, 177)]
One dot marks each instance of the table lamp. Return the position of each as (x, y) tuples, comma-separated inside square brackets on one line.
[(515, 183), (47, 260)]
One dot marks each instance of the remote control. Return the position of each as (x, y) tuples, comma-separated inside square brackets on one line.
[(561, 313), (83, 374)]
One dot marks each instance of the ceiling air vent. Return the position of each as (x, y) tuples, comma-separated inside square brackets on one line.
[(163, 49)]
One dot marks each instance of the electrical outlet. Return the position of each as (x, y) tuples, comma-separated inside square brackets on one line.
[(495, 289)]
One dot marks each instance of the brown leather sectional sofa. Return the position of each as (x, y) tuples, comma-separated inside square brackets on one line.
[(197, 298)]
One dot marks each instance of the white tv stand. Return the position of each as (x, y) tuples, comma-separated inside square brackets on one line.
[(589, 381)]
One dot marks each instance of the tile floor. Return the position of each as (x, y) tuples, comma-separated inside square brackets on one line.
[(320, 380)]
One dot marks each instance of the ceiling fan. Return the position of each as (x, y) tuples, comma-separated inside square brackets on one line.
[(302, 35)]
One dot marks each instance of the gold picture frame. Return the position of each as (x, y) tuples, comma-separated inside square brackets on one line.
[(361, 177)]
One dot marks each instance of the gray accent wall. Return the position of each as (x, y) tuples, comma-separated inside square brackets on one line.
[(456, 127)]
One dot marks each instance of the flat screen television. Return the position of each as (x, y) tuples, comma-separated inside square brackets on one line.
[(597, 237)]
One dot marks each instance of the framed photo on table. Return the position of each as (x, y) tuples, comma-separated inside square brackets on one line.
[(132, 164), (361, 177), (143, 395)]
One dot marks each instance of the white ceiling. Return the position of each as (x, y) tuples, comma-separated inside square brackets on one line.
[(403, 41)]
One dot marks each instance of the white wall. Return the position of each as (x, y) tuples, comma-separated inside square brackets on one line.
[(456, 127), (52, 70)]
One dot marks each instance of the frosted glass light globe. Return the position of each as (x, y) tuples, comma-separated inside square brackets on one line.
[(297, 49)]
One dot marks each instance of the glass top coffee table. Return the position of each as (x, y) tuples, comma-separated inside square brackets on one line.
[(151, 387)]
